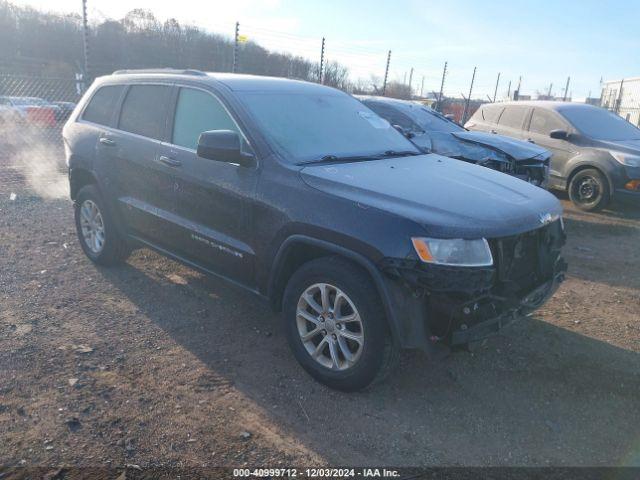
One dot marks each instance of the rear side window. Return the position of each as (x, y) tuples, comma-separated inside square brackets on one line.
[(543, 121), (102, 104), (490, 114), (143, 110), (513, 117), (198, 112)]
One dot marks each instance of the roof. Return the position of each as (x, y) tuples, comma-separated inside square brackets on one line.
[(545, 104), (233, 81)]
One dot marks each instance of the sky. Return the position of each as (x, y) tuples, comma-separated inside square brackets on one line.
[(542, 41)]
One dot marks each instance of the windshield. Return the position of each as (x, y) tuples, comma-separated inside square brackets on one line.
[(430, 120), (309, 126), (600, 124)]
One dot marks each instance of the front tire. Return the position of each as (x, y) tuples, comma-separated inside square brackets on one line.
[(96, 229), (589, 190), (336, 325)]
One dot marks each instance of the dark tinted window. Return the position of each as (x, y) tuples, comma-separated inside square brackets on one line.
[(393, 116), (600, 123), (101, 106), (143, 111), (490, 113), (513, 117), (198, 112), (543, 121)]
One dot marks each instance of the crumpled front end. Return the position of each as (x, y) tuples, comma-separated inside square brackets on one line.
[(519, 159), (465, 304)]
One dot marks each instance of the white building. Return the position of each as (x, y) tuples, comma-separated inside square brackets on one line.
[(623, 97)]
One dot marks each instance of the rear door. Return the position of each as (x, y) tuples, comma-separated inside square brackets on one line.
[(143, 186), (512, 121), (542, 123), (213, 197)]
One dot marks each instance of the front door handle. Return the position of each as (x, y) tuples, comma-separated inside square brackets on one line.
[(107, 141), (530, 140), (172, 162), (494, 131)]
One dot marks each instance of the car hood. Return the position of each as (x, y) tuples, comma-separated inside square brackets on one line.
[(627, 146), (516, 149), (451, 199)]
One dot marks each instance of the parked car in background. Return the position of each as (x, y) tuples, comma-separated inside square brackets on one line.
[(66, 108), (33, 110), (595, 153), (432, 132), (299, 193)]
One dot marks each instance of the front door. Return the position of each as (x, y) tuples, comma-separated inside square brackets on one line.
[(213, 197), (542, 123)]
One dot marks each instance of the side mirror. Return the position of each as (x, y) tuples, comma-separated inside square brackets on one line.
[(223, 146), (559, 134)]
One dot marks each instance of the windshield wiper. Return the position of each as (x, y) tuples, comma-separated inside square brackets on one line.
[(337, 158), (397, 153), (360, 158)]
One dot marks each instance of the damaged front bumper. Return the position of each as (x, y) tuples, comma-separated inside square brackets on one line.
[(465, 304)]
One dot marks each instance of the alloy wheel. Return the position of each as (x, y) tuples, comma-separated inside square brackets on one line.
[(330, 326)]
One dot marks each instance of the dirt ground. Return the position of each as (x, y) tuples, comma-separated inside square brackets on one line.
[(154, 364)]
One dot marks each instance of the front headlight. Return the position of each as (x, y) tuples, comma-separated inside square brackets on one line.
[(453, 251), (626, 159)]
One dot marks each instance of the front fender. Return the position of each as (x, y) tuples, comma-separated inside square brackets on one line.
[(406, 313)]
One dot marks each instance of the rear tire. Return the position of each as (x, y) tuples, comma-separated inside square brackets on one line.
[(96, 229), (356, 348), (589, 190)]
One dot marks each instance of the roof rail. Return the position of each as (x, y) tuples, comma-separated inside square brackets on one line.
[(167, 71)]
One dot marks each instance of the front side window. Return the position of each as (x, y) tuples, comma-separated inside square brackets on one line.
[(101, 106), (513, 117), (196, 112), (308, 126), (543, 122), (143, 111)]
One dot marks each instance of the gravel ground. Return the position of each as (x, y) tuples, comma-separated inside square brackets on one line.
[(154, 364)]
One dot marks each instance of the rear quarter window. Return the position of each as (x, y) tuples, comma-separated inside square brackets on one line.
[(101, 107)]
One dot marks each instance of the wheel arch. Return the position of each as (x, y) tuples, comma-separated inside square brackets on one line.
[(80, 177), (299, 249), (585, 165)]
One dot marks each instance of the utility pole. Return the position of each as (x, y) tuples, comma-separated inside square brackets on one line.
[(516, 93), (495, 92), (386, 74), (410, 81), (466, 105), (566, 89), (234, 69), (85, 38), (549, 92), (509, 91), (619, 99), (444, 74), (404, 79), (321, 62), (422, 86)]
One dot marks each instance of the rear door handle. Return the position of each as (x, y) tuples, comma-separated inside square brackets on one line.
[(530, 140), (172, 162), (107, 141), (493, 131)]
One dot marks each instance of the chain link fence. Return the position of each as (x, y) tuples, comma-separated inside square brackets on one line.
[(623, 98), (33, 110)]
